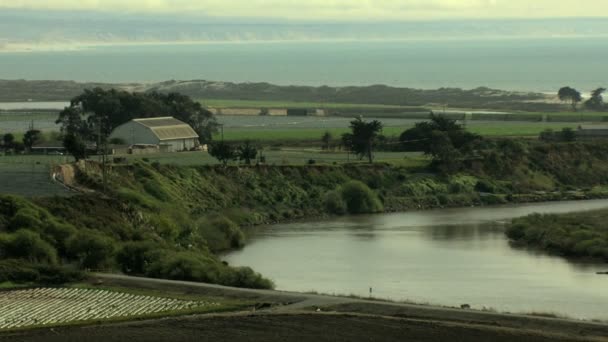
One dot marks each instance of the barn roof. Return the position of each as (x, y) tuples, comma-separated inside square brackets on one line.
[(168, 128)]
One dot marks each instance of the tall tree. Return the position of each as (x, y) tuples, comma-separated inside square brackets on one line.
[(326, 139), (596, 101), (568, 94), (247, 152), (8, 140), (98, 111), (362, 138), (31, 138), (75, 146), (223, 152)]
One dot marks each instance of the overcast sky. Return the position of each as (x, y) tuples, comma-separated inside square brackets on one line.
[(349, 10)]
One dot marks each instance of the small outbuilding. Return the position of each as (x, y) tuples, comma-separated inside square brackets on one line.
[(168, 133)]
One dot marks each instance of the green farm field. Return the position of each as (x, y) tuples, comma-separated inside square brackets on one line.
[(28, 177), (492, 129), (288, 104)]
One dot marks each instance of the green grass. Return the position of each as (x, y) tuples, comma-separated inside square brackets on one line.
[(528, 129), (289, 157), (24, 176), (287, 104)]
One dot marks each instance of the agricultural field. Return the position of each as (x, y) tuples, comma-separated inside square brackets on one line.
[(60, 306), (29, 176), (287, 104), (20, 122), (291, 128), (485, 128)]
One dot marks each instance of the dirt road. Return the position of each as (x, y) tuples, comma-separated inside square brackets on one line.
[(289, 316)]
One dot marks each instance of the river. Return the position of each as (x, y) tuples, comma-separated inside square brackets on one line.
[(444, 257)]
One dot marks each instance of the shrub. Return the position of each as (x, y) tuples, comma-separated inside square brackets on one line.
[(334, 203), (156, 190), (135, 257), (360, 199), (245, 277), (185, 266), (221, 233), (28, 245), (18, 271), (91, 249)]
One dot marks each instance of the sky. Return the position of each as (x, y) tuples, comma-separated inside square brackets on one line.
[(339, 10)]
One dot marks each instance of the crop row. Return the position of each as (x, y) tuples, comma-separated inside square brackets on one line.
[(45, 306)]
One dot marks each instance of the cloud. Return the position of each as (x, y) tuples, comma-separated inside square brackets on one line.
[(333, 9)]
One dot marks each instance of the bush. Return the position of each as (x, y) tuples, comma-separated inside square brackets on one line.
[(91, 249), (185, 266), (28, 245), (334, 203), (360, 199), (246, 277), (18, 271), (156, 190), (221, 233), (135, 257)]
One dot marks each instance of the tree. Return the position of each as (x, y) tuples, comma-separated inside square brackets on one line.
[(571, 95), (596, 101), (8, 140), (31, 137), (326, 139), (363, 137), (444, 139), (99, 111), (420, 137), (75, 146), (223, 152), (247, 152), (91, 248), (445, 155)]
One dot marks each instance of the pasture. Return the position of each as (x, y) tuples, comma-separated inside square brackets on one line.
[(305, 128), (217, 103), (393, 130), (40, 307), (30, 176)]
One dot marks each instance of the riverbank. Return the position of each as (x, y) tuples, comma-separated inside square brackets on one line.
[(574, 235), (170, 221), (291, 316)]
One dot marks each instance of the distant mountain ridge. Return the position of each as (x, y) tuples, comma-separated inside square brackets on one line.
[(482, 97)]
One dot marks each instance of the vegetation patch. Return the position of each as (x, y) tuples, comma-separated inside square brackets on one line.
[(571, 235)]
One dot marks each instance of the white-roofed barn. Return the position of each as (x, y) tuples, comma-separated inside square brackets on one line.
[(170, 134)]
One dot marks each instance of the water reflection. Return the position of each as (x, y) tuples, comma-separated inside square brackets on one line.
[(446, 257)]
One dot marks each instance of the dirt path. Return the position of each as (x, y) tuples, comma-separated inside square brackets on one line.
[(289, 316), (286, 303)]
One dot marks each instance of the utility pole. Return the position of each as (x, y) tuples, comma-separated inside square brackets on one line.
[(103, 154)]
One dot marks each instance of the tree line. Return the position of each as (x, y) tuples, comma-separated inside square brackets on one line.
[(574, 97), (93, 115)]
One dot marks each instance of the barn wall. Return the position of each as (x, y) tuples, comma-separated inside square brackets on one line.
[(133, 133), (177, 145)]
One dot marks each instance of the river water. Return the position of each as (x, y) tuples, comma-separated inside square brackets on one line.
[(445, 257)]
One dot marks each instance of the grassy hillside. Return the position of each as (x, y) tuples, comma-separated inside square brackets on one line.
[(171, 221)]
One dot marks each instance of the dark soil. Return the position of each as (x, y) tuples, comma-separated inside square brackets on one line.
[(295, 327)]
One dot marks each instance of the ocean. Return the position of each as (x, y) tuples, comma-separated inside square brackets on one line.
[(541, 65)]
